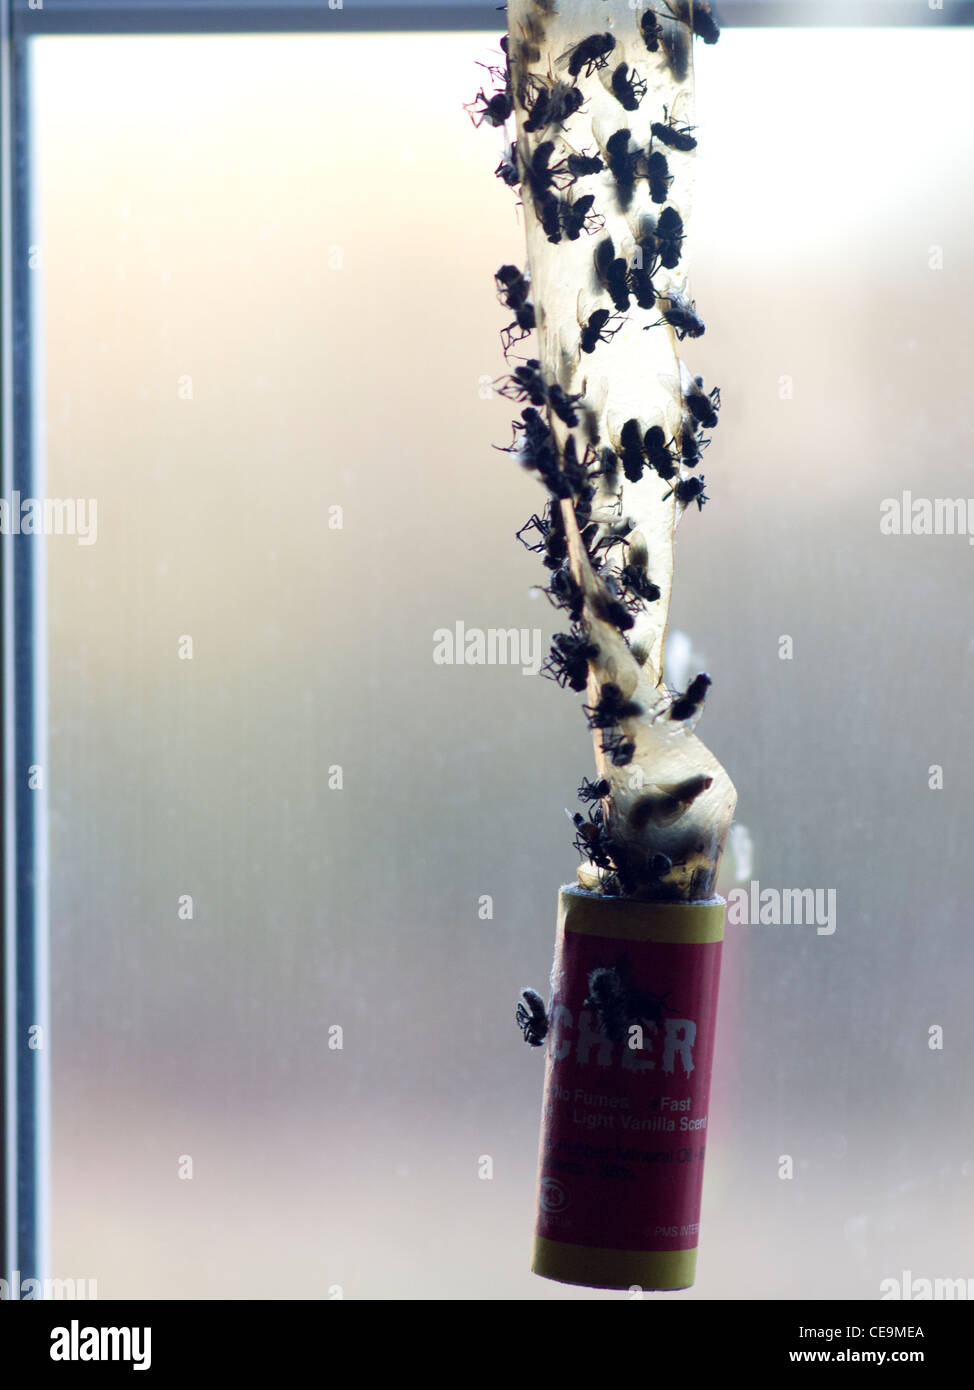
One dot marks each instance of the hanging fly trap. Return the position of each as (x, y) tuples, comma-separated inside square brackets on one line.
[(594, 104)]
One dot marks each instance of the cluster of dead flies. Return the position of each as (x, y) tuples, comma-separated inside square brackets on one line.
[(613, 996), (573, 473)]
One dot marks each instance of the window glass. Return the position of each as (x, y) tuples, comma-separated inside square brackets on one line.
[(269, 326)]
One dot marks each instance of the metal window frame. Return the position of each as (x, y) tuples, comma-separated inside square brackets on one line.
[(24, 1068), (24, 1052)]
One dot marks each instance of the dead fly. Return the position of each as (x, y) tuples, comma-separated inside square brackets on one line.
[(649, 27), (689, 490), (555, 548), (495, 110), (631, 450), (513, 289), (591, 54), (628, 87), (616, 1001), (551, 543), (612, 274), (703, 407), (623, 164), (682, 317), (507, 170), (608, 999), (537, 175), (532, 1017), (611, 708), (659, 176), (513, 286), (574, 470), (549, 215), (598, 329), (563, 405), (677, 137), (575, 166), (611, 609), (628, 877), (593, 791), (537, 109), (686, 705), (547, 106), (690, 445), (697, 15), (608, 468), (577, 216), (567, 662), (533, 445), (590, 838), (565, 592), (669, 803), (658, 453), (668, 233), (527, 383), (676, 47), (642, 288), (639, 583)]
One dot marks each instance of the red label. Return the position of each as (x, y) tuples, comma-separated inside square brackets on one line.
[(624, 1130)]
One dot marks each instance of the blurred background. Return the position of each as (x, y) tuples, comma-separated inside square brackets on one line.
[(267, 294)]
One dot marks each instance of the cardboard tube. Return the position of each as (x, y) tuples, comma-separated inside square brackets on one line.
[(624, 1126)]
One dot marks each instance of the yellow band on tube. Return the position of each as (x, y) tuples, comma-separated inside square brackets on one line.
[(591, 915), (613, 1269)]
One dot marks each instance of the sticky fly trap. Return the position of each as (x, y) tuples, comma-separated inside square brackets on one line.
[(594, 105)]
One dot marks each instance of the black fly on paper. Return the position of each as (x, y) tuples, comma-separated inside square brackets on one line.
[(628, 87), (619, 1005), (593, 791), (649, 27), (571, 652), (659, 176), (703, 406), (697, 15), (612, 274), (677, 137), (611, 708), (681, 314), (601, 327), (687, 704), (589, 55), (495, 110), (689, 490), (619, 750), (659, 454)]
